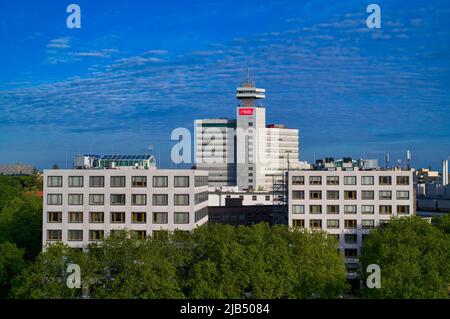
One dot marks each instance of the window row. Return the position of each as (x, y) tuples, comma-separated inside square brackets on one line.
[(350, 180), (335, 223), (94, 235), (351, 209), (350, 195), (120, 217)]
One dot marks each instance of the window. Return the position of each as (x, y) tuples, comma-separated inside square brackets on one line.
[(160, 199), (350, 209), (96, 199), (139, 217), (349, 180), (402, 180), (75, 199), (298, 223), (201, 197), (350, 223), (76, 181), (332, 180), (117, 199), (75, 235), (250, 123), (118, 217), (96, 235), (267, 198), (160, 218), (364, 237), (139, 181), (333, 223), (54, 235), (160, 181), (201, 181), (383, 222), (349, 194), (75, 217), (315, 223), (54, 181), (315, 180), (298, 194), (315, 209), (181, 181), (385, 209), (138, 234), (54, 217), (367, 195), (54, 199), (332, 209), (160, 234), (367, 223), (385, 195), (201, 213), (403, 209), (96, 181), (315, 195), (298, 180), (332, 194), (181, 199), (350, 238), (96, 217), (254, 197), (402, 194), (117, 181), (138, 199), (367, 209), (367, 180), (298, 209), (385, 180), (351, 253), (181, 218)]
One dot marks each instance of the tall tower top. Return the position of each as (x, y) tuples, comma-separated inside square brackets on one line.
[(248, 93)]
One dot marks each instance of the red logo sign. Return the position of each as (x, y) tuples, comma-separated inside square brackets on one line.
[(245, 111)]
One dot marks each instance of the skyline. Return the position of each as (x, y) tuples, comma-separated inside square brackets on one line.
[(134, 72)]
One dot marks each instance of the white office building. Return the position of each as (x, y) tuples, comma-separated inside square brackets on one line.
[(85, 205)]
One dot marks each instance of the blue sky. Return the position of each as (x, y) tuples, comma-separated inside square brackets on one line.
[(138, 69)]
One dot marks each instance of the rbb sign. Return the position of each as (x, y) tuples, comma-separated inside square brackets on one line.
[(246, 111)]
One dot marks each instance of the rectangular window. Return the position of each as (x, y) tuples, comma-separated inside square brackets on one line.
[(350, 238), (96, 235), (333, 223), (386, 209), (385, 195), (181, 218), (298, 180), (350, 209), (351, 253), (200, 198), (367, 195), (298, 194), (300, 223), (382, 222), (75, 199), (117, 181), (402, 195), (181, 199), (160, 234), (96, 199), (74, 235), (117, 199), (76, 181), (139, 199), (315, 194), (54, 181), (402, 180), (315, 209), (54, 235), (96, 181), (367, 223), (332, 180), (367, 209), (367, 180), (332, 209), (181, 181), (201, 213), (385, 180), (333, 195), (254, 197), (298, 209), (75, 217), (350, 223), (403, 209), (315, 223), (160, 218), (139, 181), (315, 180), (118, 217), (201, 181), (138, 234), (160, 181), (349, 195), (349, 180), (96, 217), (267, 198), (54, 217), (54, 199), (139, 217)]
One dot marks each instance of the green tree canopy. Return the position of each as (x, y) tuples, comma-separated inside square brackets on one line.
[(11, 264)]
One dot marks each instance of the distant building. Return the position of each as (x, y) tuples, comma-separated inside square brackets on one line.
[(16, 169)]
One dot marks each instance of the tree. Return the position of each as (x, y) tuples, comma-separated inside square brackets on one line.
[(442, 223), (11, 264), (414, 257)]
